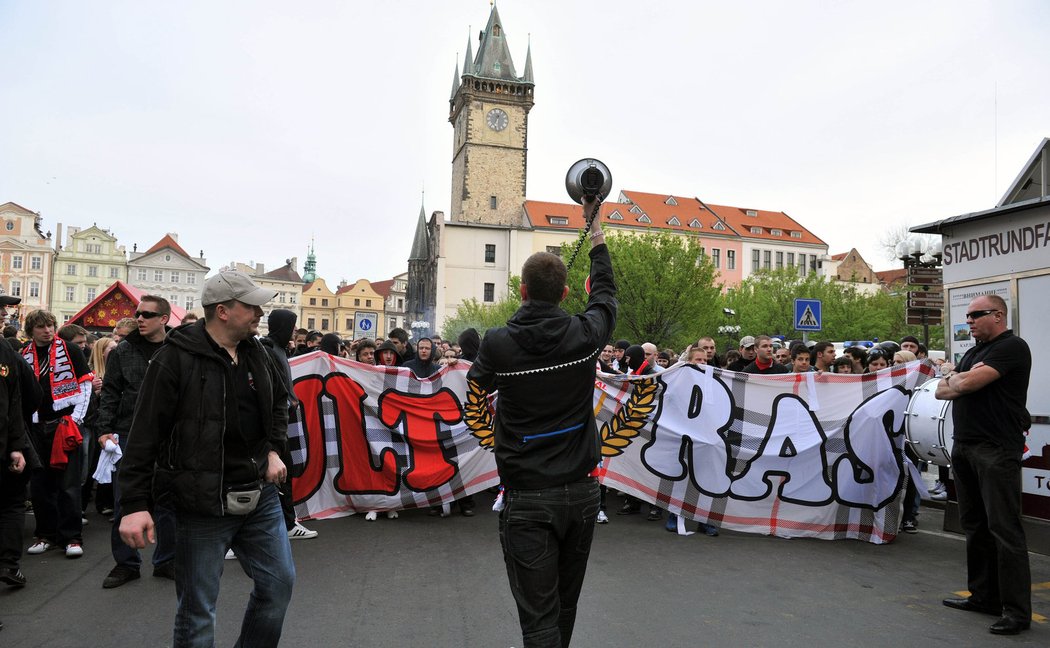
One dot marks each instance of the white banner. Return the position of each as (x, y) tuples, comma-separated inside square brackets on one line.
[(791, 455)]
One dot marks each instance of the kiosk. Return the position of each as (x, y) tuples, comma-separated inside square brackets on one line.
[(1006, 251)]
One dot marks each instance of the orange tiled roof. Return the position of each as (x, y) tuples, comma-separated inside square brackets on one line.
[(739, 219), (890, 277), (660, 214), (167, 241), (840, 256), (383, 287)]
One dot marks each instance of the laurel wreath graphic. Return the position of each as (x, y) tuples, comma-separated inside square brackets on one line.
[(625, 425), (616, 435), (477, 415)]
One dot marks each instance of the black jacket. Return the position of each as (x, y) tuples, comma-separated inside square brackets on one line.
[(125, 369), (12, 427), (543, 365), (175, 446)]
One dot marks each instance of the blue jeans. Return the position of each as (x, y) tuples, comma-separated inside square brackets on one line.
[(260, 540), (546, 537)]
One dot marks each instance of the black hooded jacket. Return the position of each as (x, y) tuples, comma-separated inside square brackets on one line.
[(543, 365)]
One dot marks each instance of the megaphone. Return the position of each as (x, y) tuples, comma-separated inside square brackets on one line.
[(588, 177)]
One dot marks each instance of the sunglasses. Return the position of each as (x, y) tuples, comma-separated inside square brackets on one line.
[(146, 314), (972, 315)]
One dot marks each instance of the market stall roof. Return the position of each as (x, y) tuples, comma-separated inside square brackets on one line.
[(114, 304)]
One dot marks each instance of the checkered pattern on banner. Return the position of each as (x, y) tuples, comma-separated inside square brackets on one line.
[(794, 455), (476, 466)]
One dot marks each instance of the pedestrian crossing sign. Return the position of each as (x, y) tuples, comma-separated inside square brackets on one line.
[(807, 315)]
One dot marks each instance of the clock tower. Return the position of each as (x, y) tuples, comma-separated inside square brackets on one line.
[(489, 110)]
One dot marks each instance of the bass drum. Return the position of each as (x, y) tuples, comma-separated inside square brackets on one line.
[(929, 426)]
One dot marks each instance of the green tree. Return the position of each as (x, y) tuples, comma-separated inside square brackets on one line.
[(665, 286), (474, 314)]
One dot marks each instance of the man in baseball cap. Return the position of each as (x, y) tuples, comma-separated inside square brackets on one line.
[(220, 472), (747, 353)]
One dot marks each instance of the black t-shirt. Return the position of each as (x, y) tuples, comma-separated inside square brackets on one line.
[(997, 412), (247, 427), (80, 368)]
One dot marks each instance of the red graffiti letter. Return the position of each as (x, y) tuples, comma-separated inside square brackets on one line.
[(308, 390), (357, 473), (427, 466)]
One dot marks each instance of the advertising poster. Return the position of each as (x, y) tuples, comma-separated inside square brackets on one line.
[(958, 332)]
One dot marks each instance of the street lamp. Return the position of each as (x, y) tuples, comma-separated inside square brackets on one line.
[(729, 330), (918, 253)]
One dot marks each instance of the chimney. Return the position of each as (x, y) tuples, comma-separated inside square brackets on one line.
[(260, 269), (58, 237)]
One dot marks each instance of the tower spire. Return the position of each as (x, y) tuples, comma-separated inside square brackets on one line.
[(310, 267)]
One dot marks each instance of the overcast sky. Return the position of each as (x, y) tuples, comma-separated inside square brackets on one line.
[(249, 127)]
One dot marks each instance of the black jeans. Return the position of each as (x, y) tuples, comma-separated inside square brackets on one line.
[(55, 492), (12, 514), (988, 482), (546, 537)]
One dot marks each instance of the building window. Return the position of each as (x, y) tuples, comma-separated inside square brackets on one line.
[(557, 220), (368, 303), (492, 202), (780, 260), (490, 253), (71, 293), (767, 259), (791, 259), (796, 234), (35, 263), (114, 272), (189, 303), (490, 292), (310, 323), (392, 325), (71, 269), (716, 257), (756, 230), (280, 298), (357, 302), (34, 288), (16, 288), (776, 232), (92, 271), (324, 301), (313, 302), (142, 274), (173, 299), (91, 294), (191, 278), (176, 277), (400, 306), (158, 276), (730, 259), (554, 249), (9, 225), (324, 323), (349, 324), (291, 299), (756, 260), (16, 261), (802, 265)]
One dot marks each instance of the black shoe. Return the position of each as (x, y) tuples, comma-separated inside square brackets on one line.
[(968, 605), (12, 577), (654, 514), (165, 570), (1009, 626), (120, 575), (434, 511), (629, 509), (467, 512)]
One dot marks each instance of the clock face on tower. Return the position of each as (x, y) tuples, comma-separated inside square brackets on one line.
[(497, 119)]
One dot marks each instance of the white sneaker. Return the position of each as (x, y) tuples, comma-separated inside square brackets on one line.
[(38, 547), (299, 532), (74, 550), (602, 518), (939, 487), (391, 515), (230, 555), (371, 516), (939, 496)]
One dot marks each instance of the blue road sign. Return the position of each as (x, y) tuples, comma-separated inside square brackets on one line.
[(364, 323), (807, 315)]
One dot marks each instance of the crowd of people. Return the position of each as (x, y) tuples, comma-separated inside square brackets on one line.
[(74, 400)]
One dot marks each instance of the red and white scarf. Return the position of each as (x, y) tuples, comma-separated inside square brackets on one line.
[(65, 388)]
